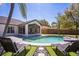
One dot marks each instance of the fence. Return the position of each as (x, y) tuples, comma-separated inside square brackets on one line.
[(56, 31)]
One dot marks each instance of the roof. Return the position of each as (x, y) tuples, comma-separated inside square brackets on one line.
[(13, 21), (31, 21), (46, 27), (38, 22)]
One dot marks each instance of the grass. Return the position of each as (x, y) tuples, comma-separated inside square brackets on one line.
[(51, 51), (72, 54), (32, 51), (7, 54)]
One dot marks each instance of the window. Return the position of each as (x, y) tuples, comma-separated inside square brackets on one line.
[(21, 29), (10, 29)]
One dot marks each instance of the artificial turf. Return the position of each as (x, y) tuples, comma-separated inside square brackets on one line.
[(50, 51), (32, 51)]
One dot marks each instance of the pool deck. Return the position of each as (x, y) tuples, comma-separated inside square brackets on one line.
[(69, 39)]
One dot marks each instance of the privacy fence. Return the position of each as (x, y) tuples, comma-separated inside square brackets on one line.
[(56, 31)]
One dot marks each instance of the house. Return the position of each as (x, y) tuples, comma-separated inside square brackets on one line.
[(17, 27)]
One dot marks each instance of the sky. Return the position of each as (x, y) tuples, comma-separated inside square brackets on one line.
[(47, 11)]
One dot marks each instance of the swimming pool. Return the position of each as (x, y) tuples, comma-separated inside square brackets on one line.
[(44, 39)]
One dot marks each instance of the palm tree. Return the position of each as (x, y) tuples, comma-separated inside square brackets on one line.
[(8, 19), (23, 12)]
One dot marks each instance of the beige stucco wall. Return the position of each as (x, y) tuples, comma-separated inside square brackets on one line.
[(1, 29), (26, 29), (16, 29), (2, 26)]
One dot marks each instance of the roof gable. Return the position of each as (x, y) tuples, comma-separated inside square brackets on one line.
[(33, 21)]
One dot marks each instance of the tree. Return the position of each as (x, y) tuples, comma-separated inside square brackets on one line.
[(44, 22), (63, 22), (58, 20), (8, 19), (23, 12), (54, 25), (73, 14)]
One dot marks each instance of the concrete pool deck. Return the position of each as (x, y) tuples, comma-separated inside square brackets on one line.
[(69, 39)]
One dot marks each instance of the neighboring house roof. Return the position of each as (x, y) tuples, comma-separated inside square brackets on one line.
[(45, 27), (3, 20)]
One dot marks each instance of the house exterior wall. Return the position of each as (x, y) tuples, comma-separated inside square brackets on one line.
[(16, 29), (2, 27), (26, 29)]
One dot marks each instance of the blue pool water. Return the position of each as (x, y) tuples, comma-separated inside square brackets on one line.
[(44, 39)]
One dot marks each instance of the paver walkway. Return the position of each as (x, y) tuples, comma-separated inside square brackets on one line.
[(41, 52)]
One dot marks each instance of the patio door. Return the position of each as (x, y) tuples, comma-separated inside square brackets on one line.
[(33, 29), (21, 29)]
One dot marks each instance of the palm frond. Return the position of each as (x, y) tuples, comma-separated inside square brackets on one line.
[(23, 9)]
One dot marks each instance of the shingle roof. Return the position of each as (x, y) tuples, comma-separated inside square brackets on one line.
[(3, 20)]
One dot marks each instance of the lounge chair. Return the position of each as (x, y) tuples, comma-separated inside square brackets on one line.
[(60, 49), (70, 49), (10, 47), (32, 51), (1, 49), (25, 51), (50, 51), (57, 51), (73, 47)]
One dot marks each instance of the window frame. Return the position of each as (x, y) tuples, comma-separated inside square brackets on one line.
[(10, 29)]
